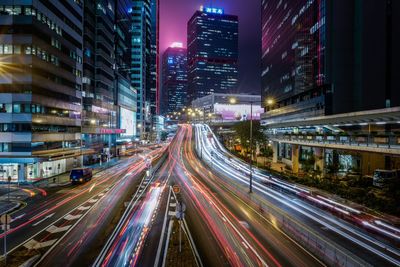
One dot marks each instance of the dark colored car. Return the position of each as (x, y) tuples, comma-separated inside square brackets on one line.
[(81, 175)]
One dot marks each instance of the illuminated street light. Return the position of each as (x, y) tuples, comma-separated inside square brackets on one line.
[(270, 101), (232, 100)]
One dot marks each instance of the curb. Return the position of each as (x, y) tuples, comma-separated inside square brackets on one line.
[(16, 206)]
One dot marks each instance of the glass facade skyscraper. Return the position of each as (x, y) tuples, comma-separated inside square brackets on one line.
[(212, 52), (174, 80), (144, 61), (126, 94), (322, 57), (40, 88), (100, 124)]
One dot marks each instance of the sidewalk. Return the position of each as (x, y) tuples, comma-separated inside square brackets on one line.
[(25, 191), (7, 207), (63, 179)]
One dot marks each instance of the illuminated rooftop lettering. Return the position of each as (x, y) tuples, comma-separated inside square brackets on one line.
[(212, 10)]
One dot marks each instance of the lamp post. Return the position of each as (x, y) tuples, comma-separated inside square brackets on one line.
[(269, 102)]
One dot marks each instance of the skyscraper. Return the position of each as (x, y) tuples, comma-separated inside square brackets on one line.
[(174, 79), (40, 89), (100, 114), (327, 57), (143, 61), (126, 94), (212, 52)]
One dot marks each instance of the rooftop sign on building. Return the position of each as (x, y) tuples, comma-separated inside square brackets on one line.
[(212, 10)]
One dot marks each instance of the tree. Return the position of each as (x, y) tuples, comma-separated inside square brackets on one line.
[(164, 135), (242, 130), (308, 161)]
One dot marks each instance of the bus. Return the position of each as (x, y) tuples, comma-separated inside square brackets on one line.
[(80, 175)]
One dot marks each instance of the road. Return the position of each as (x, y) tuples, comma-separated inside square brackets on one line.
[(135, 240), (308, 216), (221, 221), (41, 225)]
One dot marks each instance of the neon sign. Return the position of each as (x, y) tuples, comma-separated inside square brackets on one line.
[(212, 10)]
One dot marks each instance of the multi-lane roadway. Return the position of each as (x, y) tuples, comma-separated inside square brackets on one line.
[(335, 232), (120, 218)]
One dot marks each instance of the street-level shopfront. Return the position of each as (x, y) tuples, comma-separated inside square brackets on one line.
[(27, 170)]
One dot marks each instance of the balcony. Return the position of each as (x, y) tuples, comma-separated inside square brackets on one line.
[(9, 137), (53, 120), (308, 108), (53, 137)]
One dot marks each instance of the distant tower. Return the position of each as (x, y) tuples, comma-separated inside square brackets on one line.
[(212, 52), (174, 78)]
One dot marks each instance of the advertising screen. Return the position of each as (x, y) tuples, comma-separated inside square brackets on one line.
[(237, 112), (128, 120)]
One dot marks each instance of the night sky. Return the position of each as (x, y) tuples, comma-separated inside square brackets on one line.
[(176, 13)]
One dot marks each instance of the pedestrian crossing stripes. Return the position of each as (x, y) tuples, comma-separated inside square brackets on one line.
[(46, 239), (172, 206)]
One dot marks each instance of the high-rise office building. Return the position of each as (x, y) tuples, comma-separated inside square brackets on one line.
[(40, 88), (126, 94), (140, 60), (100, 115), (152, 88), (329, 57), (174, 79), (212, 48), (144, 51)]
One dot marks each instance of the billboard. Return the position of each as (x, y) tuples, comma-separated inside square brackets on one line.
[(128, 122), (237, 112)]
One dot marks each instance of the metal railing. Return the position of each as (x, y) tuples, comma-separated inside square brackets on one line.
[(378, 141)]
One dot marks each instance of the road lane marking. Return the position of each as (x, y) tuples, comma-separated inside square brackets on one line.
[(18, 217), (42, 220), (54, 229), (70, 217), (33, 244)]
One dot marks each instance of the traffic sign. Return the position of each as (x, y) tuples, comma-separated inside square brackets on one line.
[(180, 215), (180, 207), (5, 218), (176, 189), (5, 227)]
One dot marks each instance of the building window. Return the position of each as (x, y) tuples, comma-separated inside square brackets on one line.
[(8, 49)]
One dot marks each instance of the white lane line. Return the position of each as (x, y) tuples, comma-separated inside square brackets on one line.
[(33, 244), (70, 217), (42, 220), (54, 229)]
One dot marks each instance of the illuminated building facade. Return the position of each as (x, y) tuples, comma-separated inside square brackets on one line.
[(101, 79), (322, 57), (174, 79), (144, 49), (126, 94), (212, 52), (40, 88)]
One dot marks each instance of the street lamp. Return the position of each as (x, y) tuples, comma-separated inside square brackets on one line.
[(269, 102)]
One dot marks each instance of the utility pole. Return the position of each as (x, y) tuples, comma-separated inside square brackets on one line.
[(251, 148)]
